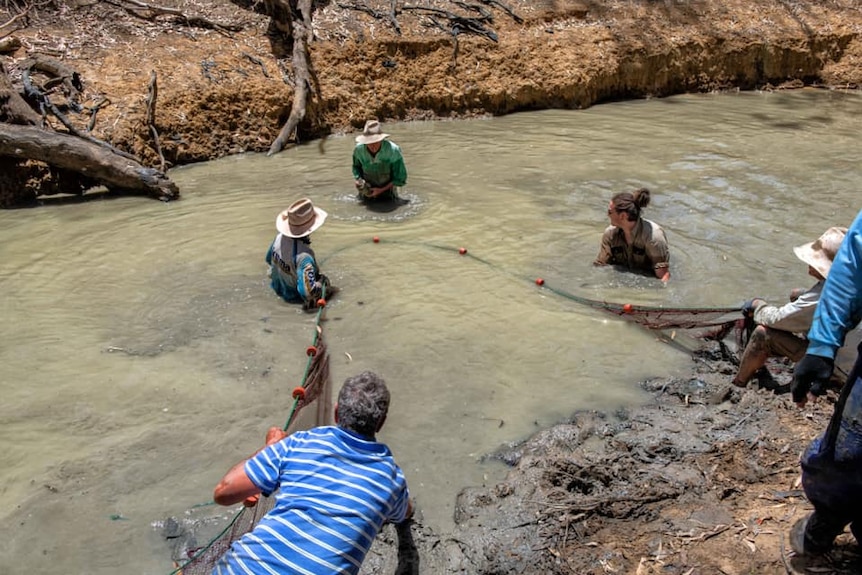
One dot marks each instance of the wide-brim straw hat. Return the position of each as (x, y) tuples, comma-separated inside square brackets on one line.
[(820, 253), (371, 133), (300, 219)]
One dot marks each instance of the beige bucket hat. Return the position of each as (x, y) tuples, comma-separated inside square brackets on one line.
[(820, 253), (371, 133), (300, 219)]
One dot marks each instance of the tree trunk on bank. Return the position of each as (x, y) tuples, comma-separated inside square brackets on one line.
[(289, 32), (117, 173)]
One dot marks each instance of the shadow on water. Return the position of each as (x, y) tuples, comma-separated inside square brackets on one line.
[(385, 206)]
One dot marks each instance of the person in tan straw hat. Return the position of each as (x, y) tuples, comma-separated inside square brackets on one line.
[(378, 165), (779, 331), (294, 274)]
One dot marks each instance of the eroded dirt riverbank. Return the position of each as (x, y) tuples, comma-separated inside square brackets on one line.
[(223, 92)]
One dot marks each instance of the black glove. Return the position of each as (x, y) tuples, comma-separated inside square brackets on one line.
[(748, 307), (812, 374)]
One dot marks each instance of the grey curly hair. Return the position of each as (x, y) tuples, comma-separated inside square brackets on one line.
[(363, 403)]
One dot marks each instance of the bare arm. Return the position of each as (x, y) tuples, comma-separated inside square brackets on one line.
[(236, 486)]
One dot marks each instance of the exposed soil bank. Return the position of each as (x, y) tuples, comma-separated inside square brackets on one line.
[(221, 93)]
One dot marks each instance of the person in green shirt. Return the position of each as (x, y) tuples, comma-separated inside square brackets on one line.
[(378, 166)]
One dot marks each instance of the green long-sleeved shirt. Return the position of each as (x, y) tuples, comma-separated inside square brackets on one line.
[(381, 168)]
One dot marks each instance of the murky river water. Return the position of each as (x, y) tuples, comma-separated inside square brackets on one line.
[(142, 352)]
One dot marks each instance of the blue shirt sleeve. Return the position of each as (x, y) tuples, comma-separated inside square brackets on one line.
[(264, 468), (841, 299)]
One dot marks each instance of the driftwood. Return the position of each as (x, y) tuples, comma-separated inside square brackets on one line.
[(116, 172), (13, 108), (25, 136), (150, 12)]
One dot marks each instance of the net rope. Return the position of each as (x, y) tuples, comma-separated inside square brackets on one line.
[(715, 323), (718, 321), (315, 382)]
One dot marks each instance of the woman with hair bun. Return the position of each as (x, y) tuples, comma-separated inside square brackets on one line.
[(632, 241)]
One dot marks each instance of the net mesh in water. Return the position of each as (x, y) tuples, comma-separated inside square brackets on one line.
[(315, 391)]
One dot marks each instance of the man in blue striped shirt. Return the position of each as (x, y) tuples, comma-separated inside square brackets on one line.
[(334, 488)]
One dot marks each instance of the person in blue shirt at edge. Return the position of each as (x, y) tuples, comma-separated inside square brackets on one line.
[(293, 271), (335, 487), (832, 463), (378, 165)]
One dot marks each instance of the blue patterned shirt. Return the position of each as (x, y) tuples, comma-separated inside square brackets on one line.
[(293, 271)]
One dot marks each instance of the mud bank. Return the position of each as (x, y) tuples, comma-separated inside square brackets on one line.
[(703, 479)]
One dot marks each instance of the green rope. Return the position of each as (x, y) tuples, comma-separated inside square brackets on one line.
[(308, 362), (617, 308), (203, 549), (293, 411)]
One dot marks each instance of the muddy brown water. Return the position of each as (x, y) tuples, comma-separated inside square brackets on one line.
[(142, 352)]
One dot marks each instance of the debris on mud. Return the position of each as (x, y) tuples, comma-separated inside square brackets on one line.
[(702, 479)]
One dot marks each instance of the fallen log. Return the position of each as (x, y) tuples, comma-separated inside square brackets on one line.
[(116, 172)]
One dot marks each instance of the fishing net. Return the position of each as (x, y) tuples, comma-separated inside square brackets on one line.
[(315, 391)]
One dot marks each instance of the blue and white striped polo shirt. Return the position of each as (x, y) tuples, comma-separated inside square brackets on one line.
[(335, 491)]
